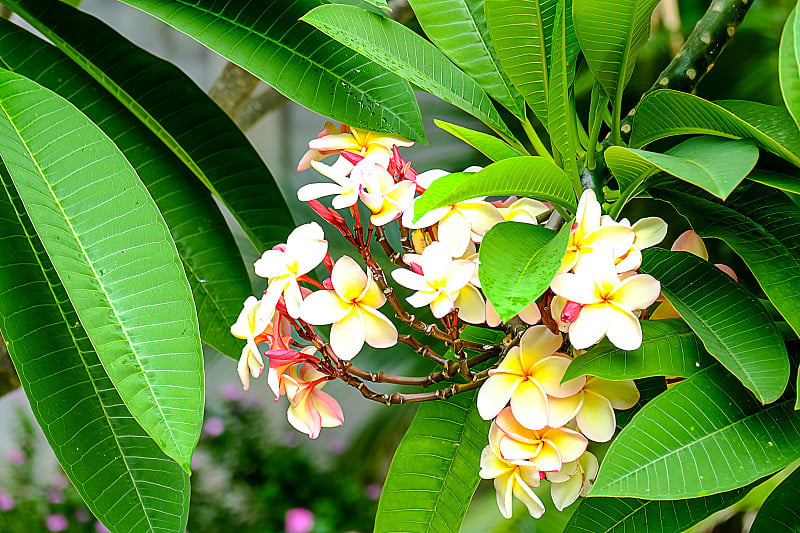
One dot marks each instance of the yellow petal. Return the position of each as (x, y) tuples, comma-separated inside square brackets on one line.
[(636, 292), (537, 343), (548, 374), (348, 279), (548, 459), (529, 405), (621, 394), (495, 393), (528, 497), (379, 330), (470, 304), (562, 410), (570, 444), (596, 418)]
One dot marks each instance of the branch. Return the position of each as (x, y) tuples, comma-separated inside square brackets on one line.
[(258, 107), (232, 88), (9, 380)]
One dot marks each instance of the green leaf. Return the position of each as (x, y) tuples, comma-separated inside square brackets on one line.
[(560, 109), (405, 53), (784, 182), (773, 265), (779, 511), (115, 256), (119, 471), (611, 35), (176, 110), (649, 388), (714, 164), (665, 112), (517, 263), (458, 28), (705, 435), (489, 145), (669, 348), (789, 64), (435, 469), (523, 176), (733, 325), (206, 246), (297, 60)]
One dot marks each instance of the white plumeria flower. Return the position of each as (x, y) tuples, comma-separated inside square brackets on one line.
[(304, 251), (252, 322), (361, 142), (523, 210), (608, 302), (385, 199), (574, 479), (346, 188), (598, 399), (442, 282), (351, 306), (647, 232), (311, 409)]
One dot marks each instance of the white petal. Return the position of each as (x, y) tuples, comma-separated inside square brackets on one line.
[(380, 332), (348, 279), (324, 307), (495, 393), (410, 280), (590, 326), (348, 335), (312, 191), (470, 304)]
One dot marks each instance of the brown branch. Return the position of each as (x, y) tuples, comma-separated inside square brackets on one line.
[(232, 88), (9, 380), (393, 256), (258, 107), (383, 377)]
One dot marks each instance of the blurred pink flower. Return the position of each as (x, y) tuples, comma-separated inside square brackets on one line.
[(56, 522), (15, 456), (213, 427), (6, 501), (100, 528), (299, 520)]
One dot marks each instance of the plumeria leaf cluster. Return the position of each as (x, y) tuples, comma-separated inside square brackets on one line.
[(607, 306)]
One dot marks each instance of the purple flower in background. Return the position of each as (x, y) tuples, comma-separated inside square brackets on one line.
[(15, 456), (299, 520), (373, 491), (6, 501), (213, 427), (59, 482), (231, 391), (81, 516), (55, 496), (57, 522), (100, 528)]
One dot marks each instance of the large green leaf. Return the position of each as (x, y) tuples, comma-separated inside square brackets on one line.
[(523, 176), (774, 266), (435, 469), (210, 257), (176, 110), (665, 112), (122, 475), (733, 325), (114, 255), (405, 53), (560, 109), (779, 511), (705, 435), (458, 28), (784, 182), (669, 348), (714, 164), (789, 65), (489, 145), (517, 263)]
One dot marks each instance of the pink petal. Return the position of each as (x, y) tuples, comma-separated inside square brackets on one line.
[(689, 241), (328, 408)]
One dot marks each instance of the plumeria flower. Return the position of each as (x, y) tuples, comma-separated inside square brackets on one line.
[(587, 233), (351, 306), (253, 321), (285, 264), (385, 199), (530, 315), (345, 187), (351, 139), (607, 302), (525, 210), (442, 282), (647, 232), (598, 399), (510, 479), (530, 378), (311, 409), (280, 361), (573, 480)]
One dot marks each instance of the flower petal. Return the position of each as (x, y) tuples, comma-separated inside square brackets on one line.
[(529, 498), (529, 405), (324, 307), (329, 410), (380, 332), (566, 492), (570, 444), (649, 232), (470, 304), (492, 466), (537, 343), (621, 394), (689, 241), (348, 279), (410, 280), (562, 410), (590, 326), (422, 298), (312, 191), (503, 487), (454, 232), (596, 418), (548, 459), (348, 335), (495, 393), (636, 292), (548, 374), (624, 330), (575, 288)]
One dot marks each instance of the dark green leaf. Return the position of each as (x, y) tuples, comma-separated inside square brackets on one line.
[(489, 145), (560, 109), (780, 512), (784, 182), (732, 324), (789, 65)]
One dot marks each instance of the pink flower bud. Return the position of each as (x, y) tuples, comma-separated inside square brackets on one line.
[(570, 312)]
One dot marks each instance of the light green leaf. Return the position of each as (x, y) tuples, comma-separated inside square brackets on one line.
[(405, 53), (210, 257), (665, 112), (176, 110), (517, 263), (705, 435), (119, 471), (779, 511), (435, 469), (522, 176), (789, 64), (774, 266), (114, 255), (489, 145), (560, 109), (784, 182), (734, 327), (458, 28), (669, 348)]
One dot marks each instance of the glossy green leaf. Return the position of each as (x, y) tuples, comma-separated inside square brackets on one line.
[(435, 469), (517, 263), (649, 388), (779, 511), (297, 60), (119, 471), (784, 182), (405, 53), (665, 112), (523, 176), (789, 64), (705, 435), (560, 109), (489, 145), (115, 256), (669, 348), (774, 266), (176, 110), (734, 327), (210, 257), (458, 28)]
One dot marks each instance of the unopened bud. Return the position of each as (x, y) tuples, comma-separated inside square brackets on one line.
[(570, 312)]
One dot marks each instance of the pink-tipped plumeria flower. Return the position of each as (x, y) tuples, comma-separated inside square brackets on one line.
[(587, 234), (525, 210), (304, 250), (510, 479), (573, 480), (530, 378), (607, 302), (385, 199), (362, 142), (598, 399), (253, 321), (442, 282), (647, 232), (280, 361), (351, 306), (311, 409)]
